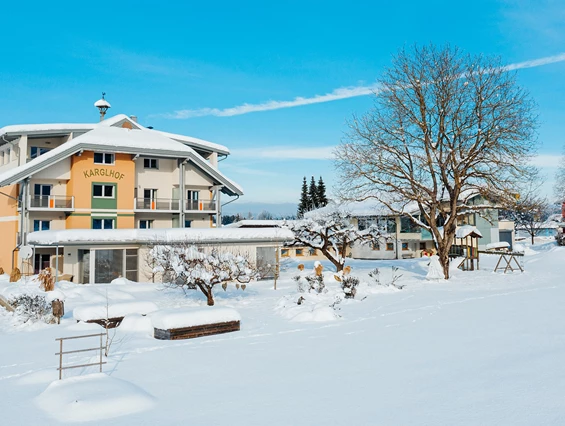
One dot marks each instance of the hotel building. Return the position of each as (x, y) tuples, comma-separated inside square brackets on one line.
[(115, 174)]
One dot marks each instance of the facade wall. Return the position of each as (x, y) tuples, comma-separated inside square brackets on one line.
[(9, 225)]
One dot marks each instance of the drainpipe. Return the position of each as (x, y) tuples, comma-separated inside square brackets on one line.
[(181, 195), (23, 205)]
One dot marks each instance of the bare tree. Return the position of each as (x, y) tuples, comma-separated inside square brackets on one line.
[(187, 266), (445, 127), (559, 188), (529, 210), (331, 231)]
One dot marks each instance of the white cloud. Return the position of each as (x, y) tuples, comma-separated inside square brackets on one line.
[(546, 160), (335, 95), (286, 153)]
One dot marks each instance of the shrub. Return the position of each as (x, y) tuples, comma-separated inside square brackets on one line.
[(316, 283), (32, 307), (349, 285), (15, 275)]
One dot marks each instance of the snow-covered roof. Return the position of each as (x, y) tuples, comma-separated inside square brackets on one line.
[(117, 139), (159, 236), (60, 128), (256, 223), (19, 129), (195, 142), (467, 230)]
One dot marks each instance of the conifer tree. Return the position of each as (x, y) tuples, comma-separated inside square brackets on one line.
[(321, 190), (313, 195), (303, 206)]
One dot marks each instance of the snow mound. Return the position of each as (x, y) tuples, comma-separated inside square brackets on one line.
[(91, 312), (319, 314), (136, 323), (93, 397), (524, 249), (178, 318)]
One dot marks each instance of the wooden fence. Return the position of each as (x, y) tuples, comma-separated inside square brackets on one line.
[(61, 352)]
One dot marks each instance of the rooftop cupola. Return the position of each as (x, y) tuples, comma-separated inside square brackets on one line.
[(102, 105)]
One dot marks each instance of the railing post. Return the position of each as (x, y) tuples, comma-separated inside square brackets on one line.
[(101, 349), (60, 359)]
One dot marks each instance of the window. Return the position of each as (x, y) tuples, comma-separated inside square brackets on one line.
[(102, 191), (102, 223), (422, 246), (145, 224), (41, 225), (312, 251), (103, 158), (192, 195), (383, 224), (188, 223), (150, 163), (284, 252), (404, 246), (299, 252), (390, 246), (407, 226), (375, 245), (36, 151)]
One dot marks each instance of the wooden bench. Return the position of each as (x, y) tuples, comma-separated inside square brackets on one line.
[(191, 323)]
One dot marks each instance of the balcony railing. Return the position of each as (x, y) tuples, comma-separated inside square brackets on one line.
[(200, 205), (156, 204), (51, 202)]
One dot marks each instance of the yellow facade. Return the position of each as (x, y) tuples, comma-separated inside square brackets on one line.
[(8, 225)]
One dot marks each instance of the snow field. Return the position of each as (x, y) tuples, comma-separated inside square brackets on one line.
[(481, 348)]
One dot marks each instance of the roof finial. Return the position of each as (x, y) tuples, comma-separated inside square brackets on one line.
[(102, 105)]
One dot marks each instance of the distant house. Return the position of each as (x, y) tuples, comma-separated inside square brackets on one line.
[(402, 239)]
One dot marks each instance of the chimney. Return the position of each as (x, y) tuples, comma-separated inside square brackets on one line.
[(133, 118)]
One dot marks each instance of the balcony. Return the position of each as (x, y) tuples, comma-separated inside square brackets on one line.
[(158, 205), (195, 206), (59, 203)]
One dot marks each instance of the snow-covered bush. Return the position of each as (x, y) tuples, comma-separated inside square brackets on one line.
[(300, 284), (315, 283), (188, 267), (375, 274), (349, 286), (32, 307)]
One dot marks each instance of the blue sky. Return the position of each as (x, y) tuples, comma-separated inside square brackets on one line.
[(186, 66)]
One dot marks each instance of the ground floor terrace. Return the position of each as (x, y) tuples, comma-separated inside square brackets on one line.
[(100, 256)]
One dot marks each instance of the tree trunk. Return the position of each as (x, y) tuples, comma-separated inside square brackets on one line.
[(338, 266), (208, 293), (444, 260), (532, 235)]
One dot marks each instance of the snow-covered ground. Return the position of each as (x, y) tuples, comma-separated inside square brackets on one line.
[(482, 349)]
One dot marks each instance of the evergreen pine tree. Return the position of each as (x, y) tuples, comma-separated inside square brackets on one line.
[(303, 205), (313, 195), (322, 198)]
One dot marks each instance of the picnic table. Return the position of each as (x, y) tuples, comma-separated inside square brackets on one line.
[(506, 259)]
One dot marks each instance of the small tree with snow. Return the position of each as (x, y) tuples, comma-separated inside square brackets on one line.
[(329, 230), (188, 267)]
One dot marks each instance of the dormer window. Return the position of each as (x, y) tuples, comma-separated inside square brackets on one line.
[(150, 163), (103, 158), (36, 151)]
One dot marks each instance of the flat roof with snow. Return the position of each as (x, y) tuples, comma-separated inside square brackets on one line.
[(158, 236)]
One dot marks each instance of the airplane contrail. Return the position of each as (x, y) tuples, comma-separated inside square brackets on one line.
[(335, 95)]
